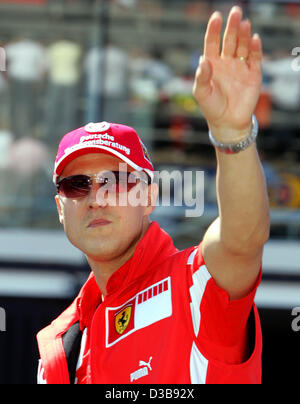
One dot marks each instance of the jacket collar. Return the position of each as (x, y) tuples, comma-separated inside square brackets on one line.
[(152, 249)]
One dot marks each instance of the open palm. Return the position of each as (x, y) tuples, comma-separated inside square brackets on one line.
[(227, 83)]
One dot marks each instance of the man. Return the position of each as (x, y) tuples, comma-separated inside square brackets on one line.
[(148, 312)]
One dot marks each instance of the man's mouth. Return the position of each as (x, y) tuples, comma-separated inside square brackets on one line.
[(98, 222)]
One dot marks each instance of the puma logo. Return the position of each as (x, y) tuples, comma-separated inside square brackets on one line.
[(145, 368), (148, 364)]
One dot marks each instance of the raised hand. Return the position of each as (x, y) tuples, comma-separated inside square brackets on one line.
[(228, 80)]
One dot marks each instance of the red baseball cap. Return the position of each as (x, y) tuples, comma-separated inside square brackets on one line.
[(104, 137)]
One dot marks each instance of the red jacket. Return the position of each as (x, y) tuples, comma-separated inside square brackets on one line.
[(164, 320)]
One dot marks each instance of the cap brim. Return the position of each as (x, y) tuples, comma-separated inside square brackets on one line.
[(66, 159)]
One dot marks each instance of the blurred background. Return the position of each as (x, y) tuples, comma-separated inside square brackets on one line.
[(70, 62)]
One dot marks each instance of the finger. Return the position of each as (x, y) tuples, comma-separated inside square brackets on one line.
[(229, 45), (244, 38), (202, 85), (213, 35), (255, 53)]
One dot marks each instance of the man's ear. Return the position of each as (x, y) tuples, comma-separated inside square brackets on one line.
[(59, 209), (152, 197)]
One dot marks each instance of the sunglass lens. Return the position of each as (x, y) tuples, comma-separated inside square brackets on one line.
[(75, 187)]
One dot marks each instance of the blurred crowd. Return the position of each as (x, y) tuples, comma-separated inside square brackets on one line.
[(47, 91)]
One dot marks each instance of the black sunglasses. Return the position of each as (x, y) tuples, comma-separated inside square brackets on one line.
[(79, 186)]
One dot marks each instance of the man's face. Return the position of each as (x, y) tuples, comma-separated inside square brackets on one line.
[(101, 231)]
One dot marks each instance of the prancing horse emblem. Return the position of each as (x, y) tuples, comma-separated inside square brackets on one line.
[(122, 319)]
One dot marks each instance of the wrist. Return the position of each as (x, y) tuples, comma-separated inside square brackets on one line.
[(245, 139), (230, 135)]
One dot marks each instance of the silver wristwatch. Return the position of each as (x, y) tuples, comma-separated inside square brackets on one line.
[(233, 148)]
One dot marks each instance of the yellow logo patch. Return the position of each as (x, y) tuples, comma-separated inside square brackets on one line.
[(122, 319)]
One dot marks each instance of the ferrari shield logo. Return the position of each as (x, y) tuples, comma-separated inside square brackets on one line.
[(122, 319)]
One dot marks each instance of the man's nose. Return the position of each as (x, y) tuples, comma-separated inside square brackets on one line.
[(95, 198)]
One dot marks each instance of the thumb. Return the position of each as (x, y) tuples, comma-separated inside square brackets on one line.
[(202, 85)]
